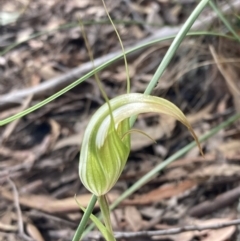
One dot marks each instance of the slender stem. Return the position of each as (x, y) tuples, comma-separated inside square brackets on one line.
[(172, 49), (84, 220), (120, 41), (104, 206), (224, 20), (175, 44)]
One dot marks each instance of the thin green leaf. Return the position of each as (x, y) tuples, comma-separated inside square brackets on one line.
[(104, 231), (175, 44), (104, 207), (99, 68), (120, 41), (224, 20), (80, 229)]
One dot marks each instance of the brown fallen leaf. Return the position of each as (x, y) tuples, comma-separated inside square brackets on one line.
[(216, 170), (133, 218), (230, 75), (50, 205), (47, 71), (55, 132), (174, 174), (8, 227), (34, 232), (230, 148), (120, 76), (203, 113), (223, 234), (208, 158), (73, 140), (163, 192), (116, 216)]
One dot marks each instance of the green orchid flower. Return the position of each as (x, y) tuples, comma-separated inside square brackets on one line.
[(106, 142)]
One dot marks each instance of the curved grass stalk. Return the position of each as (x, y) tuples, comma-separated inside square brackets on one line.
[(120, 41), (96, 74), (175, 44), (224, 20), (72, 25), (99, 68)]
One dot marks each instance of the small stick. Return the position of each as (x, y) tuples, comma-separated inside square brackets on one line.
[(221, 201), (177, 230), (171, 231), (19, 212)]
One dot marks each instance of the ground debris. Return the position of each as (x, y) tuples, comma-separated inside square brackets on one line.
[(39, 153)]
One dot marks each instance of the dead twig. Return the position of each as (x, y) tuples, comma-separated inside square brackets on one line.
[(121, 235), (229, 75), (221, 201), (10, 128), (177, 230), (19, 212)]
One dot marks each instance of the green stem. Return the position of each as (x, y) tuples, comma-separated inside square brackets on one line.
[(175, 44), (104, 207), (172, 49), (224, 20), (121, 44), (84, 220)]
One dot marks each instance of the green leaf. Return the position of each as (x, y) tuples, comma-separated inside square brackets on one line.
[(104, 231)]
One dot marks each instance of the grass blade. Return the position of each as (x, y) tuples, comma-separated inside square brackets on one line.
[(99, 68), (175, 44), (224, 20)]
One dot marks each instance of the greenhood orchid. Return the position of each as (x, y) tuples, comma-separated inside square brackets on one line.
[(106, 142)]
